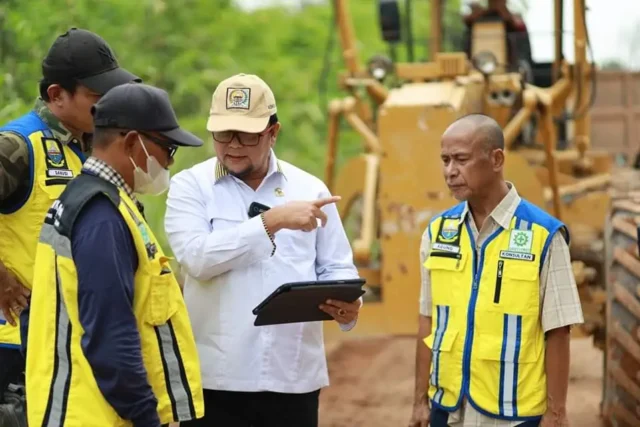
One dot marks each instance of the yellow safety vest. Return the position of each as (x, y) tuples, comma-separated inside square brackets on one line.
[(52, 165), (60, 384), (486, 340)]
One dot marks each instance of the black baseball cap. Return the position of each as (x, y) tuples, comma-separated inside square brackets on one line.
[(141, 107), (85, 57)]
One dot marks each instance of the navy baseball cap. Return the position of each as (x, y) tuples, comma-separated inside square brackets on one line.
[(85, 57), (141, 107)]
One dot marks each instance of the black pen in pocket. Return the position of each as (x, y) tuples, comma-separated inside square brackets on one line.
[(496, 296)]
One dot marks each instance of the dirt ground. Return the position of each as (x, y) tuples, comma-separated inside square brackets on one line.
[(372, 384)]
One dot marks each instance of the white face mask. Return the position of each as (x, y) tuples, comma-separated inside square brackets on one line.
[(155, 181)]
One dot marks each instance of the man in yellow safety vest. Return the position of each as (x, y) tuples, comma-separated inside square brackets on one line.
[(39, 153), (498, 297), (112, 343)]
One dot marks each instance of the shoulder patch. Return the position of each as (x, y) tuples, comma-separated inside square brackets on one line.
[(56, 162)]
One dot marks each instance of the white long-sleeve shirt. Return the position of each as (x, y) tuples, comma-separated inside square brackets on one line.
[(230, 270)]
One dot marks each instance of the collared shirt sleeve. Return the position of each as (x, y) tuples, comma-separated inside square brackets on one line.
[(334, 257), (203, 252), (561, 302), (106, 261), (14, 165), (425, 276)]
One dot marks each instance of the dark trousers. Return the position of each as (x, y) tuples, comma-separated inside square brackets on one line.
[(440, 418), (12, 394), (257, 409), (11, 368)]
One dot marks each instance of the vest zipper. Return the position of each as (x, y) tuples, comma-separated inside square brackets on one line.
[(478, 259)]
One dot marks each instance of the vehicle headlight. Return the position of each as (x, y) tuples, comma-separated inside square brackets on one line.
[(379, 66), (485, 62)]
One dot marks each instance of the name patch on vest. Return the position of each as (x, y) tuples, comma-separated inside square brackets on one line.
[(59, 173), (517, 255), (55, 160), (446, 248)]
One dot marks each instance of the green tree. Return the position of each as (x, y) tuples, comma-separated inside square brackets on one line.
[(187, 47)]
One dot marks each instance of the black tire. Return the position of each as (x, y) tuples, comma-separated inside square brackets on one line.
[(621, 379)]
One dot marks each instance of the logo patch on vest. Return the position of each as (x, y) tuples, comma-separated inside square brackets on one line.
[(449, 230), (517, 255), (448, 237), (520, 241), (55, 161)]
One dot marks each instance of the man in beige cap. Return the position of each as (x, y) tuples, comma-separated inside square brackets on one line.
[(241, 224)]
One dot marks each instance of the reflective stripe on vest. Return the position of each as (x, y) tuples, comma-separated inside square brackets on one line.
[(52, 164), (487, 342), (62, 388)]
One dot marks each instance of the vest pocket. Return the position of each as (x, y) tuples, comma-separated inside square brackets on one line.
[(517, 286), (441, 342), (512, 342), (52, 187), (443, 268), (449, 261), (162, 299)]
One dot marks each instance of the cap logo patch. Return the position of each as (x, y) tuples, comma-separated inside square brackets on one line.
[(238, 98)]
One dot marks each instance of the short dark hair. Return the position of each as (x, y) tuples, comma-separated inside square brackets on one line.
[(273, 119), (102, 137), (70, 85)]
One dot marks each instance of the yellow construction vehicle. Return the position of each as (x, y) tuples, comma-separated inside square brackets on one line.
[(392, 189)]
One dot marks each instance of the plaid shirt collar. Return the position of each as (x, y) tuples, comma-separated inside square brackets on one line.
[(506, 209), (102, 170)]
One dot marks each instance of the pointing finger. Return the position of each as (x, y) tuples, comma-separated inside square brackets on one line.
[(320, 214), (321, 202)]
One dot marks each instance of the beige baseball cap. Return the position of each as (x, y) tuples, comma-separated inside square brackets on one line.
[(243, 102)]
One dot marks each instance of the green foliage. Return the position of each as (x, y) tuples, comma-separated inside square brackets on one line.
[(187, 47)]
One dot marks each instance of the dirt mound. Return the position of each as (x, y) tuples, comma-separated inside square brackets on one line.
[(372, 383)]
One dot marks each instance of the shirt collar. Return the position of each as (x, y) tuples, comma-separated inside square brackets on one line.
[(274, 167), (99, 168), (60, 132), (506, 209)]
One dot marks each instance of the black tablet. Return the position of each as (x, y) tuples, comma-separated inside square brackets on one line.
[(299, 301)]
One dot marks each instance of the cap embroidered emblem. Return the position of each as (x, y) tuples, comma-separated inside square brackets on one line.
[(238, 98)]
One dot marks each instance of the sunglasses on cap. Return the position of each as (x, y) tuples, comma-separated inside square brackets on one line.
[(245, 138)]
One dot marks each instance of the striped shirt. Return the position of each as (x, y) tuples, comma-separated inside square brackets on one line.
[(559, 300)]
